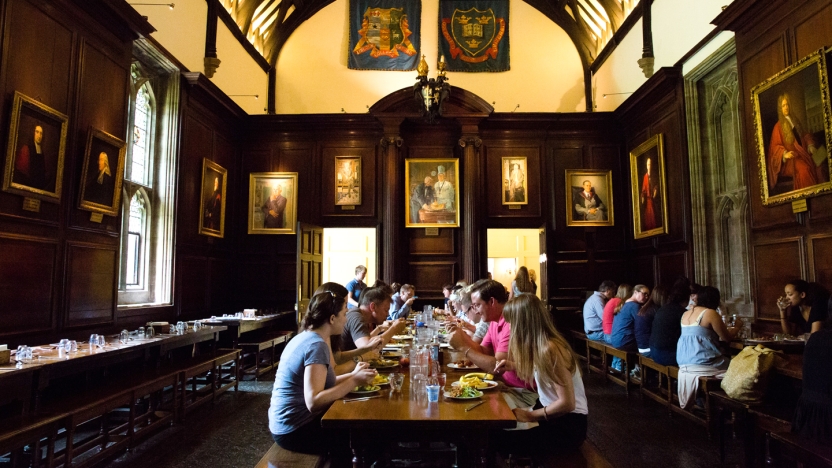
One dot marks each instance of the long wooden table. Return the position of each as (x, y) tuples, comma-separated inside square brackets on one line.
[(401, 417), (238, 326)]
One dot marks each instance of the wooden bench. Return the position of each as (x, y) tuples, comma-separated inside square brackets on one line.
[(33, 432), (659, 392), (628, 358), (587, 456), (259, 352), (596, 362), (579, 344), (807, 453), (201, 379), (701, 416), (278, 457)]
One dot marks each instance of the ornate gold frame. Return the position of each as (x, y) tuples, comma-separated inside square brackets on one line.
[(254, 205), (409, 165), (118, 173), (20, 101), (582, 173), (206, 165), (818, 59), (504, 178), (657, 142), (338, 161)]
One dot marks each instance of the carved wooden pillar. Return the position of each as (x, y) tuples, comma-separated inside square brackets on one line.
[(474, 248), (391, 201), (211, 62)]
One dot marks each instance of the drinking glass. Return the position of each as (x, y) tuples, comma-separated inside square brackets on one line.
[(396, 381), (180, 327), (418, 390), (124, 336), (442, 379), (93, 341), (73, 346), (149, 332), (62, 345), (432, 389), (102, 341)]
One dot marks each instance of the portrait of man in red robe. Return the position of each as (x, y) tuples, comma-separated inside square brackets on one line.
[(790, 152), (650, 202)]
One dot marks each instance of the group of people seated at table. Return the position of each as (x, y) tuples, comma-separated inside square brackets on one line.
[(683, 327), (513, 338)]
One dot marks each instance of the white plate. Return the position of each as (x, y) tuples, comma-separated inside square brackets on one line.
[(489, 384), (391, 354), (365, 392), (384, 366), (394, 345), (454, 366), (448, 395), (402, 337)]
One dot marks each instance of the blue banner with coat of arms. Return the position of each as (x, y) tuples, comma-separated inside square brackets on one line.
[(473, 35), (384, 34)]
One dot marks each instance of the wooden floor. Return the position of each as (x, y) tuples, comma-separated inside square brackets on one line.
[(630, 432)]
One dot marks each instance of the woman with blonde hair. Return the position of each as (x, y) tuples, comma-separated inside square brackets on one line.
[(522, 283), (538, 351)]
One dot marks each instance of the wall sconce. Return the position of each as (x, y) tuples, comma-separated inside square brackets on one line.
[(255, 96), (432, 93), (169, 5), (615, 94)]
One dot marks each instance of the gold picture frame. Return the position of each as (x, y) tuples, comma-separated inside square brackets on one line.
[(593, 207), (212, 199), (423, 206), (515, 188), (35, 168), (347, 180), (649, 190), (273, 203), (100, 180), (793, 165)]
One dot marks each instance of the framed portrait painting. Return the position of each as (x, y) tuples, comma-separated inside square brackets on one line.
[(515, 191), (791, 123), (35, 153), (649, 194), (102, 173), (589, 198), (347, 180), (273, 202), (431, 193), (212, 200)]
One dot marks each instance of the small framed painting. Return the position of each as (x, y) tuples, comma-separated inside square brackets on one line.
[(273, 203), (347, 180), (35, 153), (589, 198), (103, 173), (212, 201), (515, 191), (432, 193), (649, 193)]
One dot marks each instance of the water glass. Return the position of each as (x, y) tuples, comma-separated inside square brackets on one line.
[(433, 392), (418, 387), (180, 327), (396, 381), (62, 345), (102, 341), (73, 346), (123, 336), (93, 341), (140, 333), (149, 332), (441, 379)]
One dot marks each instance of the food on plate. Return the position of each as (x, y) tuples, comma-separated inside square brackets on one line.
[(463, 363), (366, 388), (380, 380), (374, 363), (475, 379), (464, 391)]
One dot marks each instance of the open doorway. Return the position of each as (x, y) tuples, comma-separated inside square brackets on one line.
[(509, 249), (345, 249)]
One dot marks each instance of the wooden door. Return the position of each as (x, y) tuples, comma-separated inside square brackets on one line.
[(309, 264)]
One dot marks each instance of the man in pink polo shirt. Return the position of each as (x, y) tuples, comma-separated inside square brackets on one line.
[(488, 297)]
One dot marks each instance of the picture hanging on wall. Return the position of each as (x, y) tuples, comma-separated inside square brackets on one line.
[(474, 35), (273, 202), (212, 201), (347, 180), (649, 194), (792, 127), (515, 190), (384, 34), (35, 153), (103, 173), (589, 198), (432, 193)]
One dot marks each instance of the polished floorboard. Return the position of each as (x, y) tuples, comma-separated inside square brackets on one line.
[(630, 432)]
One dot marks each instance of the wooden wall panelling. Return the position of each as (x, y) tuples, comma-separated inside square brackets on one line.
[(775, 264), (429, 277), (570, 274), (642, 270), (221, 277), (820, 260), (296, 157), (370, 181), (566, 238), (494, 153), (609, 157), (27, 284), (90, 276), (671, 125), (197, 143), (421, 244), (670, 267), (609, 269), (193, 285)]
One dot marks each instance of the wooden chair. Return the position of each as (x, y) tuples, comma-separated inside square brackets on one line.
[(278, 457), (785, 445)]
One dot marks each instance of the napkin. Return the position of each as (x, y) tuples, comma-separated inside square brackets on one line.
[(513, 402)]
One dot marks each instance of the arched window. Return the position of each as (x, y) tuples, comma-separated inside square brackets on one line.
[(141, 154), (135, 257)]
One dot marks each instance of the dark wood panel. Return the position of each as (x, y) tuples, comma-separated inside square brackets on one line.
[(615, 270), (422, 244), (91, 284), (27, 272), (676, 174), (775, 264), (302, 159), (612, 238), (820, 251), (369, 181), (570, 274), (813, 33), (566, 238), (431, 152), (642, 271), (197, 143), (222, 276), (193, 274), (494, 181), (429, 277), (671, 267)]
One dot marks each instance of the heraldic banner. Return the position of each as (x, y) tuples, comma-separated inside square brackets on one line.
[(473, 35), (384, 34)]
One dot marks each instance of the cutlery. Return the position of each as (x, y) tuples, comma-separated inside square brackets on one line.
[(363, 398), (473, 406)]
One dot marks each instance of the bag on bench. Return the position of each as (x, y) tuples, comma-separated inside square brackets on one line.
[(747, 375)]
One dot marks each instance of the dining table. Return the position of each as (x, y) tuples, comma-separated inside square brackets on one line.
[(404, 418)]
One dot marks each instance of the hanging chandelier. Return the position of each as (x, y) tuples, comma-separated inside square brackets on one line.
[(432, 93)]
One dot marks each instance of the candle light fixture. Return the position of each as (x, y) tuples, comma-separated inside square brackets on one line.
[(169, 5), (432, 93)]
